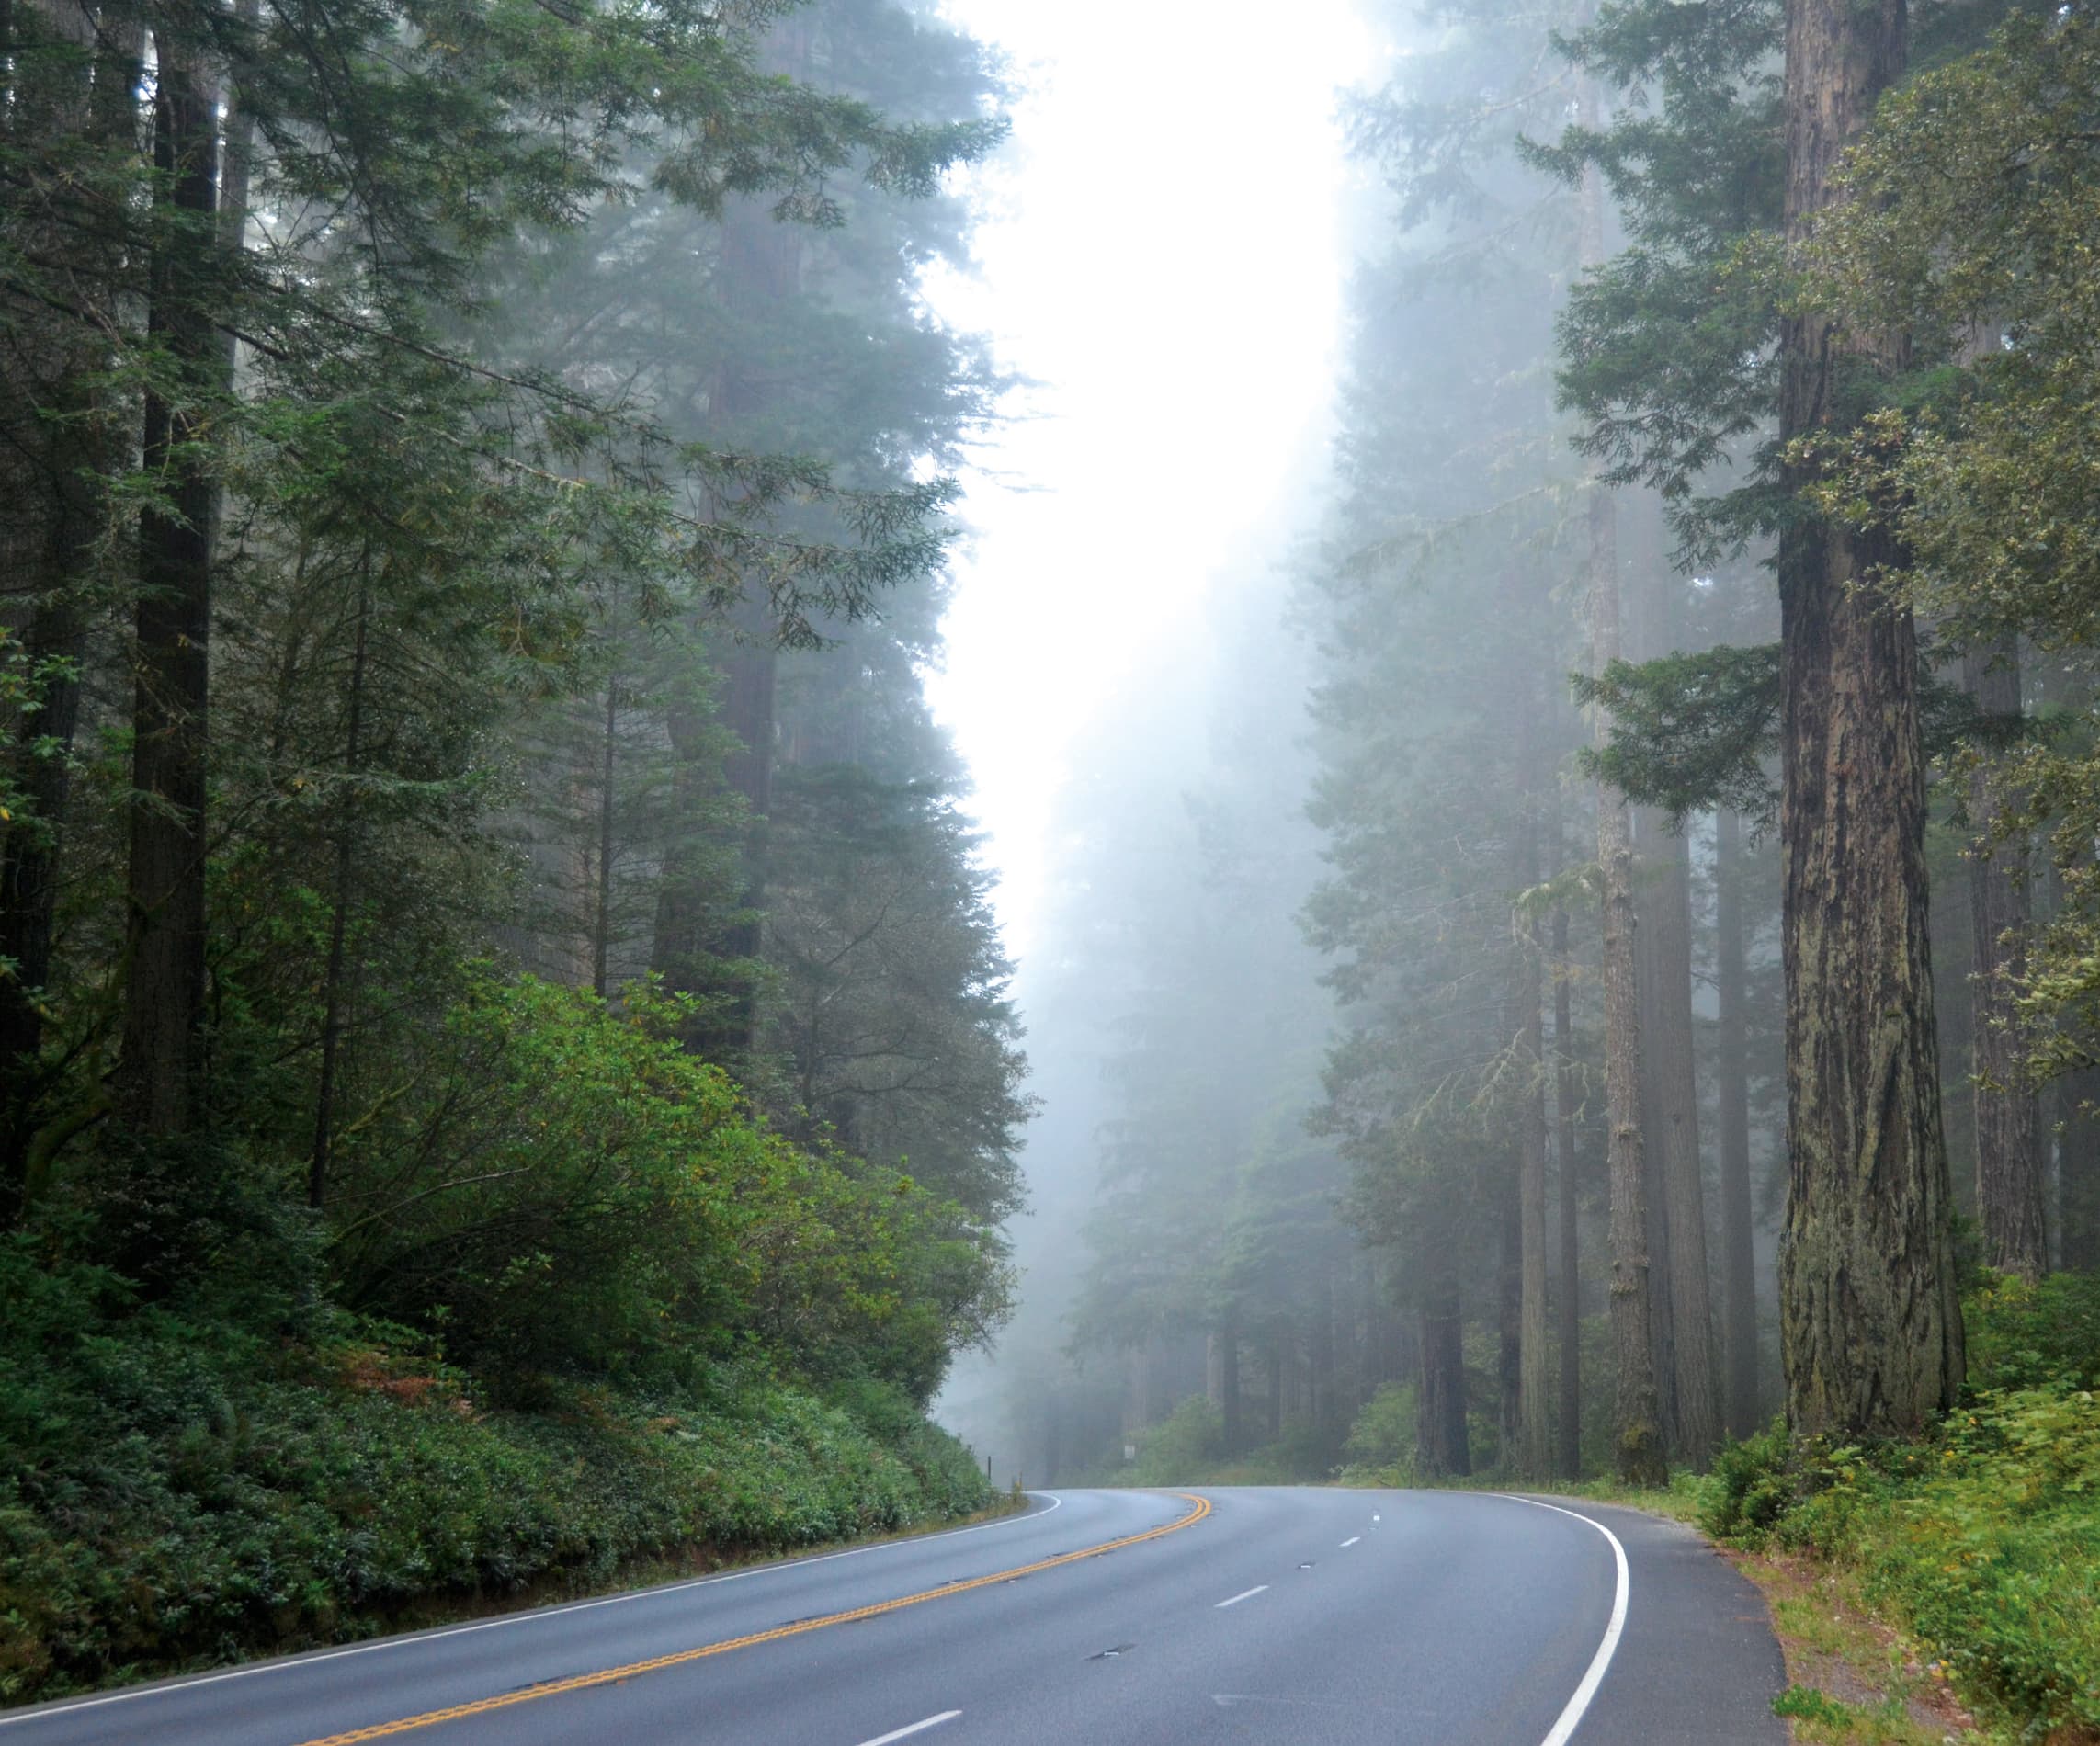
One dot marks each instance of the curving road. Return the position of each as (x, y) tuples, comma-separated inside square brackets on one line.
[(1294, 1615)]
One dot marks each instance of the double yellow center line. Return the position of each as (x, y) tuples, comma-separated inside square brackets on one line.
[(607, 1676)]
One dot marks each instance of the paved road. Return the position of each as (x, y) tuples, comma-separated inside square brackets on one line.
[(1294, 1615)]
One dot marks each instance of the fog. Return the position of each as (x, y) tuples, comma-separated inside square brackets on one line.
[(1170, 280), (1259, 656), (1181, 338)]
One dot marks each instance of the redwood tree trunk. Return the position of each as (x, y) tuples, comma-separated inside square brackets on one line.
[(1441, 1447), (1662, 1322), (602, 920), (1567, 1452), (1533, 1442), (30, 847), (1673, 1136), (1870, 1322), (2010, 1188), (2078, 1170), (1739, 1269), (1639, 1456), (1509, 1307), (332, 989), (164, 950)]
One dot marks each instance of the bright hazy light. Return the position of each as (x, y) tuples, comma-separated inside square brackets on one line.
[(1161, 254)]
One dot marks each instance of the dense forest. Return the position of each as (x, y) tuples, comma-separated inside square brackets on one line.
[(1688, 826), (506, 1062), (1583, 966)]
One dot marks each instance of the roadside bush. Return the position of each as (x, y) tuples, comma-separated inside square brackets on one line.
[(1178, 1449), (1750, 1487), (1993, 1553), (2041, 1334), (1380, 1447), (1984, 1539), (563, 1187)]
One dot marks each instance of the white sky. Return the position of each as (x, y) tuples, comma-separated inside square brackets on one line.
[(1161, 252)]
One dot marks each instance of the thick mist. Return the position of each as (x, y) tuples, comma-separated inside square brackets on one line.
[(1174, 1036), (1304, 887)]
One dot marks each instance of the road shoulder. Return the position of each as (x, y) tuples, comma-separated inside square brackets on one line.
[(1698, 1659), (1850, 1678)]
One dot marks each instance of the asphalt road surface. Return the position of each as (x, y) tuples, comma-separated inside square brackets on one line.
[(1292, 1615)]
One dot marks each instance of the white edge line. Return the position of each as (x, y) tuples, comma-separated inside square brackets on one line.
[(1578, 1705), (916, 1728), (1259, 1588), (285, 1663), (1351, 1541)]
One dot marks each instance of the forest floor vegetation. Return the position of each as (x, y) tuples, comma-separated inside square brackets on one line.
[(177, 1491)]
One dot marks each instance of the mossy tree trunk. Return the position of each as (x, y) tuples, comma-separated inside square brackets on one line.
[(1870, 1322)]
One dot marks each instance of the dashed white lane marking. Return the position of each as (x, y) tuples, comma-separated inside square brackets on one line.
[(1578, 1705), (916, 1728), (1259, 1588), (1352, 1539)]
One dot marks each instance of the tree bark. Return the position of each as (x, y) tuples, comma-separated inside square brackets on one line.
[(1871, 1326), (1662, 1322), (30, 850), (165, 949), (1509, 1313), (761, 269), (2009, 1188), (2078, 1170), (1673, 1133), (338, 920), (1442, 1451), (1320, 1358), (1532, 1443), (1739, 1269), (601, 922), (1639, 1456), (1569, 1441)]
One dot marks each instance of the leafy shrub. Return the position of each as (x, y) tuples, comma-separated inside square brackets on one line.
[(1993, 1553), (563, 1187), (1178, 1449), (1984, 1539), (2030, 1334), (1380, 1444), (1749, 1488)]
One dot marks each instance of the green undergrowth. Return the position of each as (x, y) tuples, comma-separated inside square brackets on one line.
[(176, 1492), (1188, 1447), (1982, 1543)]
